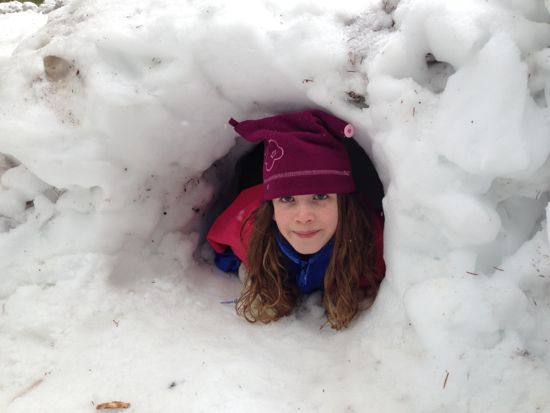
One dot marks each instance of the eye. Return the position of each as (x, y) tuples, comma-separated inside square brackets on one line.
[(286, 199), (320, 197)]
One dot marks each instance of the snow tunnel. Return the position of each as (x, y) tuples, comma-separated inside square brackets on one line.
[(117, 155)]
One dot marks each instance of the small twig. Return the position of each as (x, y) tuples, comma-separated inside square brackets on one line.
[(27, 389), (472, 273), (446, 378), (499, 269), (116, 323)]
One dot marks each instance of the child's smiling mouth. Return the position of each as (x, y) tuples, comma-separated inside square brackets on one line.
[(306, 234)]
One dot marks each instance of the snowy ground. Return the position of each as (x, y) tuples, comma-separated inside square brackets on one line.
[(113, 122)]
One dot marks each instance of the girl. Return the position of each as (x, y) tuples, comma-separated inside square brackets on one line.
[(304, 228)]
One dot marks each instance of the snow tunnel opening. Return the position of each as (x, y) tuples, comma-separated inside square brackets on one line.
[(241, 168), (220, 177)]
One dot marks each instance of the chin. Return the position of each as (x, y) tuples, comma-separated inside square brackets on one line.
[(306, 249)]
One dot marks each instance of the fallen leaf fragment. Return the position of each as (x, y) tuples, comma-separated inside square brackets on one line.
[(113, 405)]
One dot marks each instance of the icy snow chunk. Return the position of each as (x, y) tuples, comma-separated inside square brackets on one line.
[(452, 35), (28, 5), (492, 125), (44, 210), (440, 313), (7, 224), (17, 6), (5, 164), (21, 190), (11, 7), (520, 217), (50, 5), (448, 31), (12, 203), (532, 9), (21, 179), (464, 218), (249, 57), (528, 268), (539, 70), (81, 200), (475, 312)]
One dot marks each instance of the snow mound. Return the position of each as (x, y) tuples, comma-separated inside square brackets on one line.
[(115, 153)]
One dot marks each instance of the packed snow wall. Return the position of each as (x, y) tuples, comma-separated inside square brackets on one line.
[(113, 130)]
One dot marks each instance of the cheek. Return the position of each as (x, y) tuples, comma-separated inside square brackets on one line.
[(278, 217), (284, 220), (332, 219), (275, 214)]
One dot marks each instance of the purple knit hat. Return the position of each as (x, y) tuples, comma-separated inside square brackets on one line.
[(303, 153)]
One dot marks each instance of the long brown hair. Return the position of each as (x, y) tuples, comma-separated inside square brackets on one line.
[(270, 293)]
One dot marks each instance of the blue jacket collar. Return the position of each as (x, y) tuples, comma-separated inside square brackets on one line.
[(308, 270)]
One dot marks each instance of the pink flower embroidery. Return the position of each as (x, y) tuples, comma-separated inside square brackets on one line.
[(273, 153)]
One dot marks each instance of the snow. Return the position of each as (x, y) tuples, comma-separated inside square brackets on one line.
[(116, 153), (14, 27)]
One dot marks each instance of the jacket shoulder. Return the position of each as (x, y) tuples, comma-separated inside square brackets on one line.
[(226, 229)]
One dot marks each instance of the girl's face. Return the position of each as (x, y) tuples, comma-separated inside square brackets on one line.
[(307, 222)]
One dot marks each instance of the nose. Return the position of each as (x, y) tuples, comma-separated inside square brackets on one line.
[(304, 213)]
